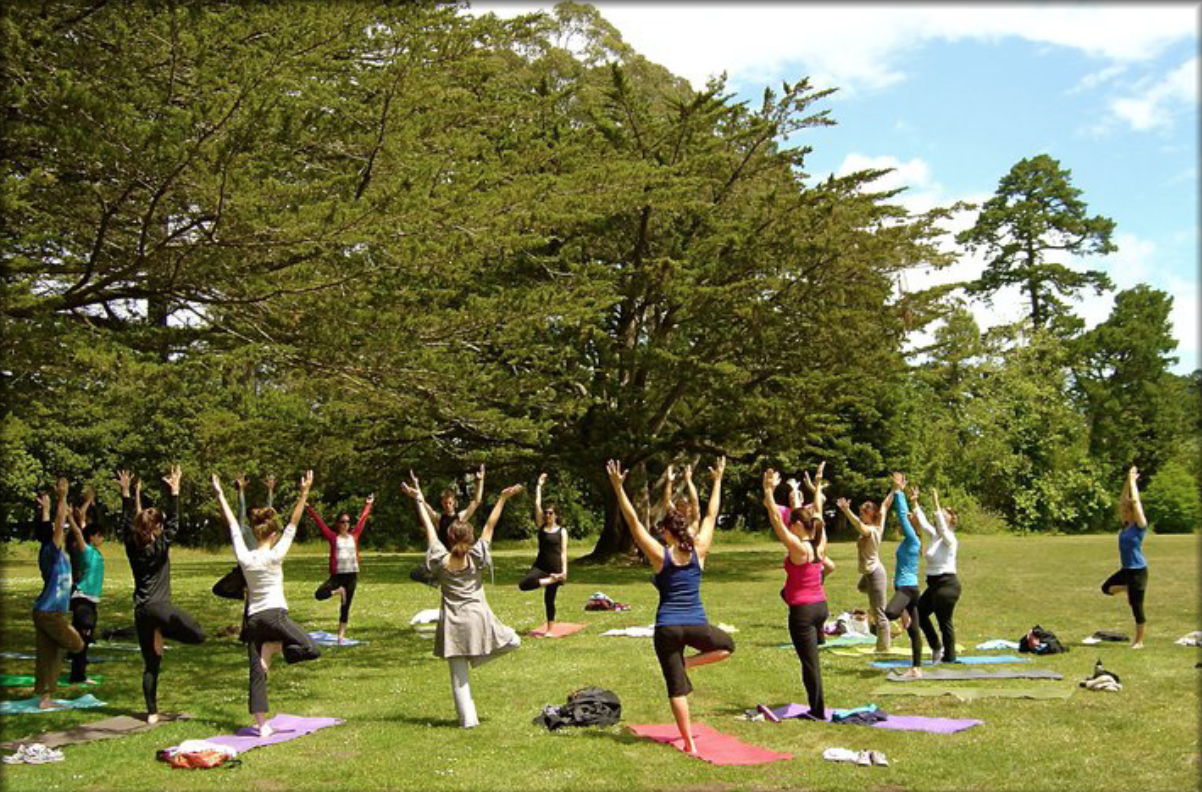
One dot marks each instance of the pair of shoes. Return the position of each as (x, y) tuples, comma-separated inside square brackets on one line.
[(34, 753), (864, 759)]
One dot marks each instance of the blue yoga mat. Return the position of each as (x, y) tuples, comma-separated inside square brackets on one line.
[(323, 638), (30, 705), (975, 660)]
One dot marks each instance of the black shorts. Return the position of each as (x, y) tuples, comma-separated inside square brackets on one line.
[(670, 642)]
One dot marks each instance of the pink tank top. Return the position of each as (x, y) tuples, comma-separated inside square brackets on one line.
[(803, 583)]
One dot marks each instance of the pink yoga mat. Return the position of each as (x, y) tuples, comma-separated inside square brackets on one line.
[(288, 727), (713, 746), (918, 723), (560, 630)]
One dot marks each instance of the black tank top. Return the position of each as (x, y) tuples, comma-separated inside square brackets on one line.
[(550, 550)]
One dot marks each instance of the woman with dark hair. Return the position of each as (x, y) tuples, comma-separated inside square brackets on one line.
[(870, 526), (269, 630), (680, 619), (1133, 576), (52, 627), (148, 534), (450, 513), (550, 570), (805, 542), (943, 584), (905, 579), (344, 561), (469, 634), (89, 582)]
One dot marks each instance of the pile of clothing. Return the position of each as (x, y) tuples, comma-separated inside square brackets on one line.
[(600, 602), (1190, 639), (1101, 679), (854, 623), (34, 753), (860, 716), (586, 707), (862, 758)]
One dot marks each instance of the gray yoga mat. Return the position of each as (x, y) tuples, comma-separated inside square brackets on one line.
[(945, 674), (973, 693)]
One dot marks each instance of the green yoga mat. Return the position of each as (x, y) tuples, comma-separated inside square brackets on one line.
[(27, 680), (972, 693)]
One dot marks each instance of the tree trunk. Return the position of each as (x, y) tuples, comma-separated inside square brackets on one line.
[(615, 538)]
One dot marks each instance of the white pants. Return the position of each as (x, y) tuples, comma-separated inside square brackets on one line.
[(461, 688)]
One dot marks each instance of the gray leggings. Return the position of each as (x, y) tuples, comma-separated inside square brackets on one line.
[(874, 584)]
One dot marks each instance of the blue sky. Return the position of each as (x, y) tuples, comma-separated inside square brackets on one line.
[(952, 95)]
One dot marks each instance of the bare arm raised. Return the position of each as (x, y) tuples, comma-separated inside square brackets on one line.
[(705, 536), (652, 549)]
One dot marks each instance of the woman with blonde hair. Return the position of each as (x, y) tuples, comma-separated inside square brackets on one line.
[(1133, 576), (874, 580)]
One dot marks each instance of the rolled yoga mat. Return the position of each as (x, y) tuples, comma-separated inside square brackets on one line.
[(943, 673), (973, 693), (971, 660), (917, 723), (106, 729), (712, 745)]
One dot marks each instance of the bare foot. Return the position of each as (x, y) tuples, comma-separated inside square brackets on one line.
[(47, 703), (1139, 645), (913, 673)]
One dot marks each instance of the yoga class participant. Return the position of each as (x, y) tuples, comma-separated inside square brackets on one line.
[(680, 619), (269, 630), (550, 569), (943, 585), (469, 634), (905, 579), (1133, 577), (233, 584), (805, 542), (344, 561), (147, 535), (870, 526), (52, 628), (448, 515), (89, 582)]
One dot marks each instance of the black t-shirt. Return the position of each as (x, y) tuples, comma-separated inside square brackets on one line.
[(444, 523), (151, 563)]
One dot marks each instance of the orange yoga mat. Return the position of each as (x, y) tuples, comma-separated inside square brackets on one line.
[(559, 630), (712, 745)]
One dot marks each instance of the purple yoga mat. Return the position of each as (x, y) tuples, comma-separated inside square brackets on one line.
[(288, 727), (919, 723)]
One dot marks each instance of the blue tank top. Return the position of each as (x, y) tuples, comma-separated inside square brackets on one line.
[(1131, 547), (55, 567), (679, 592)]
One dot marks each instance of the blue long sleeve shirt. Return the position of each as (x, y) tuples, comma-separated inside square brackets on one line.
[(909, 549)]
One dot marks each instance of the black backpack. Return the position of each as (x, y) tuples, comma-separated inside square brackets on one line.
[(586, 707), (1041, 642)]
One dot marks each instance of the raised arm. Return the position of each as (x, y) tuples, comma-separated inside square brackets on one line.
[(41, 523), (539, 517), (171, 513), (321, 525), (363, 515), (241, 551), (794, 546), (885, 504), (495, 516), (819, 487), (845, 507), (903, 508), (477, 497), (652, 549), (240, 484), (940, 518), (125, 526), (423, 509), (1137, 505), (796, 500), (78, 519), (705, 536), (694, 500), (58, 537), (281, 547), (920, 516), (269, 482)]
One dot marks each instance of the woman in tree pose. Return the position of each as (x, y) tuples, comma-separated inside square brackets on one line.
[(469, 634), (344, 561), (680, 620), (51, 610), (268, 628), (1133, 576), (550, 570), (148, 534), (943, 585), (870, 526), (905, 578), (449, 503), (805, 542), (89, 582)]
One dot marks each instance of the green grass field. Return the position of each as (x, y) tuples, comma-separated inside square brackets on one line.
[(400, 730)]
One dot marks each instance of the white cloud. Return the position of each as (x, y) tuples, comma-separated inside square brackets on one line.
[(1155, 104)]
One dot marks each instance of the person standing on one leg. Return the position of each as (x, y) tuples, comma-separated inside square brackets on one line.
[(469, 633), (680, 619), (89, 583), (870, 526), (51, 610), (905, 579), (1133, 577), (550, 570), (344, 561), (805, 542), (943, 585), (147, 535), (269, 630)]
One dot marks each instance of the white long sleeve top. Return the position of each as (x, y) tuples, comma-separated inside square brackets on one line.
[(940, 552)]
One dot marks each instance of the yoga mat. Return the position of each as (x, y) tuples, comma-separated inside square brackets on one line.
[(946, 674), (971, 693), (30, 705), (632, 632), (288, 727), (861, 651), (977, 660), (25, 680), (712, 745), (918, 723), (560, 630), (323, 638), (105, 729)]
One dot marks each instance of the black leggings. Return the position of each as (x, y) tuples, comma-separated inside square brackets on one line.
[(269, 626), (940, 598), (83, 619), (173, 623), (346, 580), (232, 586), (670, 642), (905, 598), (805, 625), (1136, 581), (530, 583)]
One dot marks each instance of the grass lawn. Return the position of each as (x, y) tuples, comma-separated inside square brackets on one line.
[(400, 730)]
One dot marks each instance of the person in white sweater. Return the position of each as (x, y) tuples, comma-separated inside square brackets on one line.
[(943, 585), (268, 628)]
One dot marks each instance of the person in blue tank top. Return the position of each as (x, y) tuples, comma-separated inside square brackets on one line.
[(1133, 577), (680, 619), (905, 578), (51, 610)]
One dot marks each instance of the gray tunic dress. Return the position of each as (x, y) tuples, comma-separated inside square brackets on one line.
[(467, 627)]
